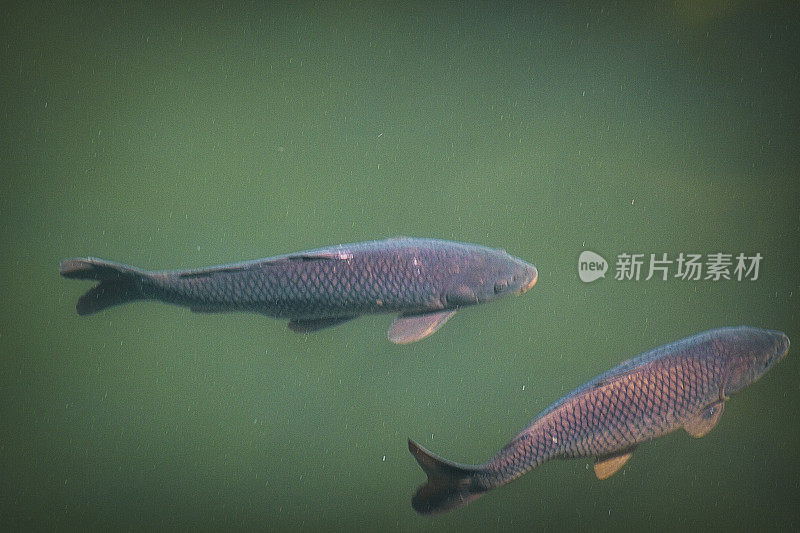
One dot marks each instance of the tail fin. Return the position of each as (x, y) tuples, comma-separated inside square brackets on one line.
[(118, 283), (450, 485)]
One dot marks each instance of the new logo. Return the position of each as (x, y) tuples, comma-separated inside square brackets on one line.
[(591, 266)]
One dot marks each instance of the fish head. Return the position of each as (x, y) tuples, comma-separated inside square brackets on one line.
[(750, 353), (490, 277), (523, 276)]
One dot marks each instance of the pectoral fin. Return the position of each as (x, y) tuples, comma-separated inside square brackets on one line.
[(304, 325), (411, 328), (608, 465), (705, 420)]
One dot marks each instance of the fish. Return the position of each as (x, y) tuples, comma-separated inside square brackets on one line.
[(425, 281), (680, 385)]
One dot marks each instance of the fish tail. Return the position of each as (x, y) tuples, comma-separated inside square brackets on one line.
[(118, 283), (449, 486)]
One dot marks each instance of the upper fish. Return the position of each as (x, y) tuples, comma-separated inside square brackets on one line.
[(678, 385), (424, 280)]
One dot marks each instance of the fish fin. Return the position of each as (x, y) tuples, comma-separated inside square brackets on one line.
[(705, 420), (118, 283), (97, 269), (461, 296), (412, 328), (309, 325), (608, 465), (316, 256), (258, 263), (207, 271), (449, 486)]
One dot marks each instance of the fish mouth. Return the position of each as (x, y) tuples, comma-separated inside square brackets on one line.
[(782, 347), (534, 278)]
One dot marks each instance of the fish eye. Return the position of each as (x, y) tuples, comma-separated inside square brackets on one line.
[(500, 286)]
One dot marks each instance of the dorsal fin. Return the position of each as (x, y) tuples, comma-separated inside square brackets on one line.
[(323, 256), (262, 263), (202, 272)]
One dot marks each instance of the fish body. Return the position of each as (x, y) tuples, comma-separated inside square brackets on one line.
[(680, 385), (425, 280)]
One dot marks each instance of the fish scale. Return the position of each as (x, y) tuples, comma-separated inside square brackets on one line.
[(306, 289), (683, 384)]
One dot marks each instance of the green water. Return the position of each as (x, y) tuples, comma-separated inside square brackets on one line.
[(181, 137)]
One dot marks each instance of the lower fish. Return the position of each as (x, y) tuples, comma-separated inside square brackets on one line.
[(424, 280), (680, 385)]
